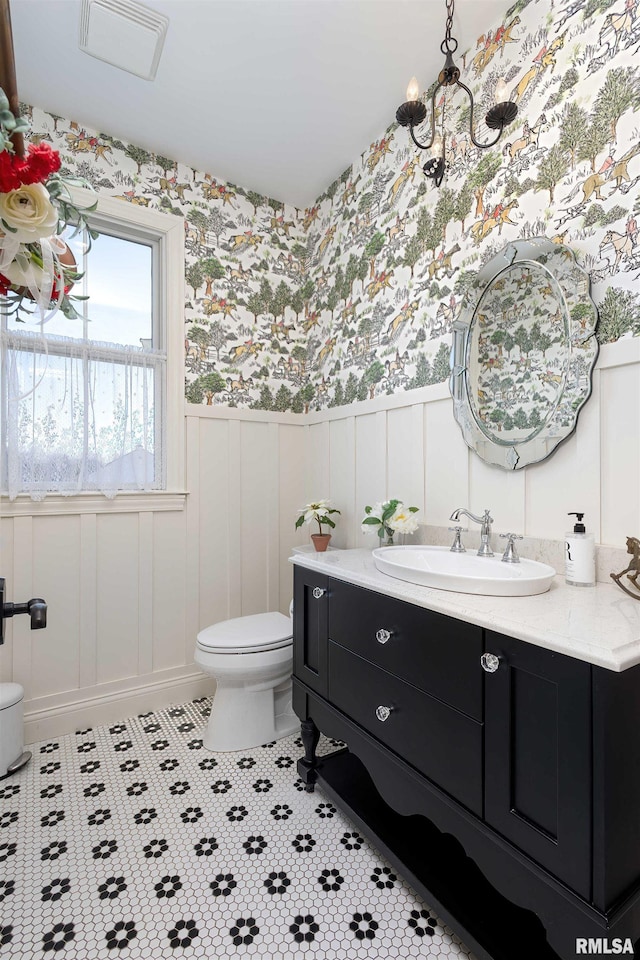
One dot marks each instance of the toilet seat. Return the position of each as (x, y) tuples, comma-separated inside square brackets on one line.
[(252, 634)]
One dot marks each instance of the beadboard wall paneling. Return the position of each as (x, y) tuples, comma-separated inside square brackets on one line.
[(416, 452), (129, 586)]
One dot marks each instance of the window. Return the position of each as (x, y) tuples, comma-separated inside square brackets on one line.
[(85, 402)]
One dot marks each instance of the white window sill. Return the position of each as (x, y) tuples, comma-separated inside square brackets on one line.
[(127, 501)]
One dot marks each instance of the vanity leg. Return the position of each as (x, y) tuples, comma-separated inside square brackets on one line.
[(307, 764)]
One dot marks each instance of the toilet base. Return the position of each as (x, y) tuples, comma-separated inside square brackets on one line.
[(241, 719)]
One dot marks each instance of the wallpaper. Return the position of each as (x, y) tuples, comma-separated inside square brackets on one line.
[(393, 254), (290, 309), (247, 294)]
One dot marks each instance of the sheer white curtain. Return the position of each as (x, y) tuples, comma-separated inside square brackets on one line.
[(80, 416)]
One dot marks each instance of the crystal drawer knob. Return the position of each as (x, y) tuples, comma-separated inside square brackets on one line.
[(318, 592), (383, 713), (490, 662), (382, 636)]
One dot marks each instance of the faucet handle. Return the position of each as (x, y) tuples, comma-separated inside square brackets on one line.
[(457, 545), (510, 554)]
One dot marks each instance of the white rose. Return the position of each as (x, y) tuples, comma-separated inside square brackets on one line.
[(29, 212), (403, 521)]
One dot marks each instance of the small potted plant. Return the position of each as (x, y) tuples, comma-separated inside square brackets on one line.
[(320, 512), (389, 516)]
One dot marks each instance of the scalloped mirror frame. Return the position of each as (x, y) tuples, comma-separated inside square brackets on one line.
[(494, 421)]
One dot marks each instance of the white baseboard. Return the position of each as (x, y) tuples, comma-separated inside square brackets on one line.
[(43, 723)]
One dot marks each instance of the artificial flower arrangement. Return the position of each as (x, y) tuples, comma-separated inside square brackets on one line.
[(36, 265), (320, 512), (390, 516)]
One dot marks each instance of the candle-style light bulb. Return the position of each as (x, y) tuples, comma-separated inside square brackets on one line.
[(501, 91), (413, 90), (436, 146)]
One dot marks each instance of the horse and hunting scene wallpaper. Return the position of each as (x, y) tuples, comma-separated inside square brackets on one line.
[(289, 309)]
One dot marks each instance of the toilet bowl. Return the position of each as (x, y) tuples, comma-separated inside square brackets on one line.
[(251, 660)]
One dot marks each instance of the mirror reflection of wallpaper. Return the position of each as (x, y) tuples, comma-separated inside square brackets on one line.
[(355, 296), (518, 353)]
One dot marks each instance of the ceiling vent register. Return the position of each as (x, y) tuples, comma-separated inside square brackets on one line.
[(126, 34)]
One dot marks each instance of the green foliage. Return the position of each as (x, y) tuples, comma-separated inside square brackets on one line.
[(441, 368), (282, 400), (338, 395), (351, 389), (255, 199), (138, 155), (593, 214), (297, 404), (619, 313), (573, 127), (194, 392), (423, 373), (610, 216), (551, 170), (265, 401), (165, 163), (569, 80), (618, 94)]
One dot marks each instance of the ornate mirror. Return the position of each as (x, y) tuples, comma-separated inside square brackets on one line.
[(524, 347)]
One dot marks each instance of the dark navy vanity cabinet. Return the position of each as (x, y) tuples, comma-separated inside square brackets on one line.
[(502, 779)]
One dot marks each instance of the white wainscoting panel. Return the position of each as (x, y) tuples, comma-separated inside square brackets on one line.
[(55, 652), (291, 488), (342, 482), (118, 597), (620, 454), (130, 582), (405, 451), (446, 464)]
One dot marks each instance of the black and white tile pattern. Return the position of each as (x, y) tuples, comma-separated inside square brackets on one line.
[(131, 840)]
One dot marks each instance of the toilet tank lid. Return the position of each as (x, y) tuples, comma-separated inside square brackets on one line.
[(258, 630), (10, 694)]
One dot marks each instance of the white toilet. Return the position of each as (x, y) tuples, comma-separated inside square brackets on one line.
[(251, 659)]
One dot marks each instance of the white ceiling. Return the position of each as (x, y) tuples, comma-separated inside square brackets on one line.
[(279, 96)]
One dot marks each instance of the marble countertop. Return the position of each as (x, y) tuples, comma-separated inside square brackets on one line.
[(599, 625)]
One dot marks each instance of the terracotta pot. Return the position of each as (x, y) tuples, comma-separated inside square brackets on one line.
[(321, 541)]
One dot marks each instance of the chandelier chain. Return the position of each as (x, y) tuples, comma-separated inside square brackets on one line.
[(449, 44)]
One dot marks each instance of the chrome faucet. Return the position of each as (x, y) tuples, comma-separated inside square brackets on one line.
[(485, 529)]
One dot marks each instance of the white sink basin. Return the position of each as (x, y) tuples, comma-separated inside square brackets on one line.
[(464, 572)]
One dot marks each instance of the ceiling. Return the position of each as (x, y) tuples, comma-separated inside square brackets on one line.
[(278, 96)]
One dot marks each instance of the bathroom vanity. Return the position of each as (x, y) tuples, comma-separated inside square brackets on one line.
[(493, 748)]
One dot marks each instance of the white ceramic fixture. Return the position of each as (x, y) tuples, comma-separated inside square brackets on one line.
[(251, 659), (464, 572)]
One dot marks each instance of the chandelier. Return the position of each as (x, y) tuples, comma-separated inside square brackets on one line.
[(413, 112)]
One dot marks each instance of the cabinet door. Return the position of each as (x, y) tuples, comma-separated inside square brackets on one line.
[(310, 615), (538, 756)]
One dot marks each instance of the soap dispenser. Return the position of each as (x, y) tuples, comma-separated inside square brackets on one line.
[(580, 555)]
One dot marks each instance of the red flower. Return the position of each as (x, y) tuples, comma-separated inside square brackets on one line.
[(9, 179), (4, 285), (41, 161)]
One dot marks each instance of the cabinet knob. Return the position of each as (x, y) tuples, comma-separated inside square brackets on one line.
[(383, 635), (318, 592), (383, 713), (490, 662)]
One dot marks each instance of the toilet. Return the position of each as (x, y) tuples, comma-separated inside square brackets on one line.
[(251, 660)]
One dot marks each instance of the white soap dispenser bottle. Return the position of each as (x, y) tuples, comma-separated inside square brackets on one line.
[(580, 555)]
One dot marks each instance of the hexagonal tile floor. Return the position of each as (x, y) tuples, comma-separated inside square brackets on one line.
[(133, 840)]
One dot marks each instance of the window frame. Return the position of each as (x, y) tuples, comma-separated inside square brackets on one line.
[(166, 232)]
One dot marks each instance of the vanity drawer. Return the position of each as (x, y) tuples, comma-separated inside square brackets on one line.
[(438, 654), (443, 744)]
